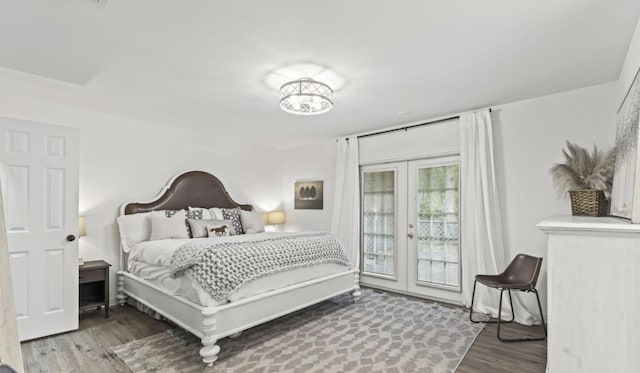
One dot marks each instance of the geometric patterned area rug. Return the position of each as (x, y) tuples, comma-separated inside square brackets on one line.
[(381, 332)]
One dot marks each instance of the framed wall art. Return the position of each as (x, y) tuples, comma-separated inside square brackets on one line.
[(625, 194), (308, 195)]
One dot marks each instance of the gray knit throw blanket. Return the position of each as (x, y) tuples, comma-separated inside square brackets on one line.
[(221, 268)]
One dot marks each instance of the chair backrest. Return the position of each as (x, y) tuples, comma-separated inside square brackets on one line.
[(524, 269)]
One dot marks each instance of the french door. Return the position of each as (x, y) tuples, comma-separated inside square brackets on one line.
[(410, 227)]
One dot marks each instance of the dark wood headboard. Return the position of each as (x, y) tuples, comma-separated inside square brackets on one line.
[(193, 188)]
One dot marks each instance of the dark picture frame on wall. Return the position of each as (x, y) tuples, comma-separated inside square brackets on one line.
[(308, 195), (625, 194)]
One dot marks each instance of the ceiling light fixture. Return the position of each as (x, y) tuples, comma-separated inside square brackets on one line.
[(306, 96)]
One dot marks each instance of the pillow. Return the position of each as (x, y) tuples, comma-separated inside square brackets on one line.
[(252, 222), (134, 228), (216, 213), (202, 212), (199, 226), (218, 230), (168, 224), (191, 214), (234, 216)]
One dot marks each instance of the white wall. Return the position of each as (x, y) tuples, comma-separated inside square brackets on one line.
[(529, 137), (122, 160), (425, 141), (311, 162)]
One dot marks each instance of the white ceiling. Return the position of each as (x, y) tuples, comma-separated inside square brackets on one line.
[(205, 64)]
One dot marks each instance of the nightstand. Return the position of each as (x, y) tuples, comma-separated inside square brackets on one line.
[(94, 285)]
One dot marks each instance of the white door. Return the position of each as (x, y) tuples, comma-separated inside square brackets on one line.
[(410, 227), (39, 174), (434, 263), (384, 225)]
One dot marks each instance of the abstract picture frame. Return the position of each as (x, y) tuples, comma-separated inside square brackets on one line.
[(625, 194), (309, 195)]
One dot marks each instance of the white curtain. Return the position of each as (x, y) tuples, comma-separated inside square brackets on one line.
[(345, 224), (483, 250)]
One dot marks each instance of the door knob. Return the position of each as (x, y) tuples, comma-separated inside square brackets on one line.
[(71, 238), (410, 235)]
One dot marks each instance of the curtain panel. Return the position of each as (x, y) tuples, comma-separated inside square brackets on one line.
[(345, 223), (483, 250)]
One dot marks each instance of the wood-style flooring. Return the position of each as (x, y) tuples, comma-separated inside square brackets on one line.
[(86, 350)]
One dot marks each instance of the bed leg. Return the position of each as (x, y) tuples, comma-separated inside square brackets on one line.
[(121, 296), (356, 293), (209, 351)]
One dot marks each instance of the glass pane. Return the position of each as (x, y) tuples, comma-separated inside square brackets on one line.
[(423, 272), (451, 274), (378, 221), (437, 272), (438, 202)]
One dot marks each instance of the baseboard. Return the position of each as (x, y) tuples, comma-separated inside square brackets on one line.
[(417, 296)]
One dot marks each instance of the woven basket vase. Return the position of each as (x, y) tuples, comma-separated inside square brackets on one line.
[(588, 202)]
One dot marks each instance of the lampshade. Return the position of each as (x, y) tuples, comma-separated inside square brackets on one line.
[(306, 97), (275, 217), (82, 229)]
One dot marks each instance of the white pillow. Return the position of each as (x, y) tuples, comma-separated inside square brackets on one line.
[(219, 230), (252, 222), (134, 228), (216, 213), (163, 226)]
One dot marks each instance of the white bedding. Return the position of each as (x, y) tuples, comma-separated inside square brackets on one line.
[(151, 261)]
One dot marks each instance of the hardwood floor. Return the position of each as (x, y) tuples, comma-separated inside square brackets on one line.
[(489, 355), (87, 349)]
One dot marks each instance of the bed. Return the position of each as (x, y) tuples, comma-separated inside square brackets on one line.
[(187, 306)]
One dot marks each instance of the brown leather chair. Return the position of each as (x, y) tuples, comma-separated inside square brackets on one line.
[(521, 274)]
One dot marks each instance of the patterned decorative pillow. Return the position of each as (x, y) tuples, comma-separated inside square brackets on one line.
[(168, 225), (199, 226), (218, 230), (234, 216), (202, 212)]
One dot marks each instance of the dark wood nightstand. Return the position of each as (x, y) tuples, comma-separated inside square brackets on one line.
[(94, 285)]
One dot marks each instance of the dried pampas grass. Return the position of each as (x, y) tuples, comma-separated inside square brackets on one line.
[(582, 170)]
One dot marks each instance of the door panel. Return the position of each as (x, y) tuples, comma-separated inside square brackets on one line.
[(434, 252), (19, 264), (17, 191), (39, 174), (382, 198)]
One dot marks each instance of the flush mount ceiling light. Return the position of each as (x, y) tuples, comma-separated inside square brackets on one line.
[(306, 96)]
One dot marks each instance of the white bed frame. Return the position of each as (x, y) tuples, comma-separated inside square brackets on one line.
[(211, 324)]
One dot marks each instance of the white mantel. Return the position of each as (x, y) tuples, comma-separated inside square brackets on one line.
[(593, 303)]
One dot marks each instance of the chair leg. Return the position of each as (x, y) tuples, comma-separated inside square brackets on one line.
[(513, 310), (544, 327), (473, 295)]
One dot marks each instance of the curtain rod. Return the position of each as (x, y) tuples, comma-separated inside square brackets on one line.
[(411, 126)]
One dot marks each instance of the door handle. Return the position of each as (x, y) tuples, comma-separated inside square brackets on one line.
[(410, 235), (71, 238)]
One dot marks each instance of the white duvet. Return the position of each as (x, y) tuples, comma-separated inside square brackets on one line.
[(151, 261)]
